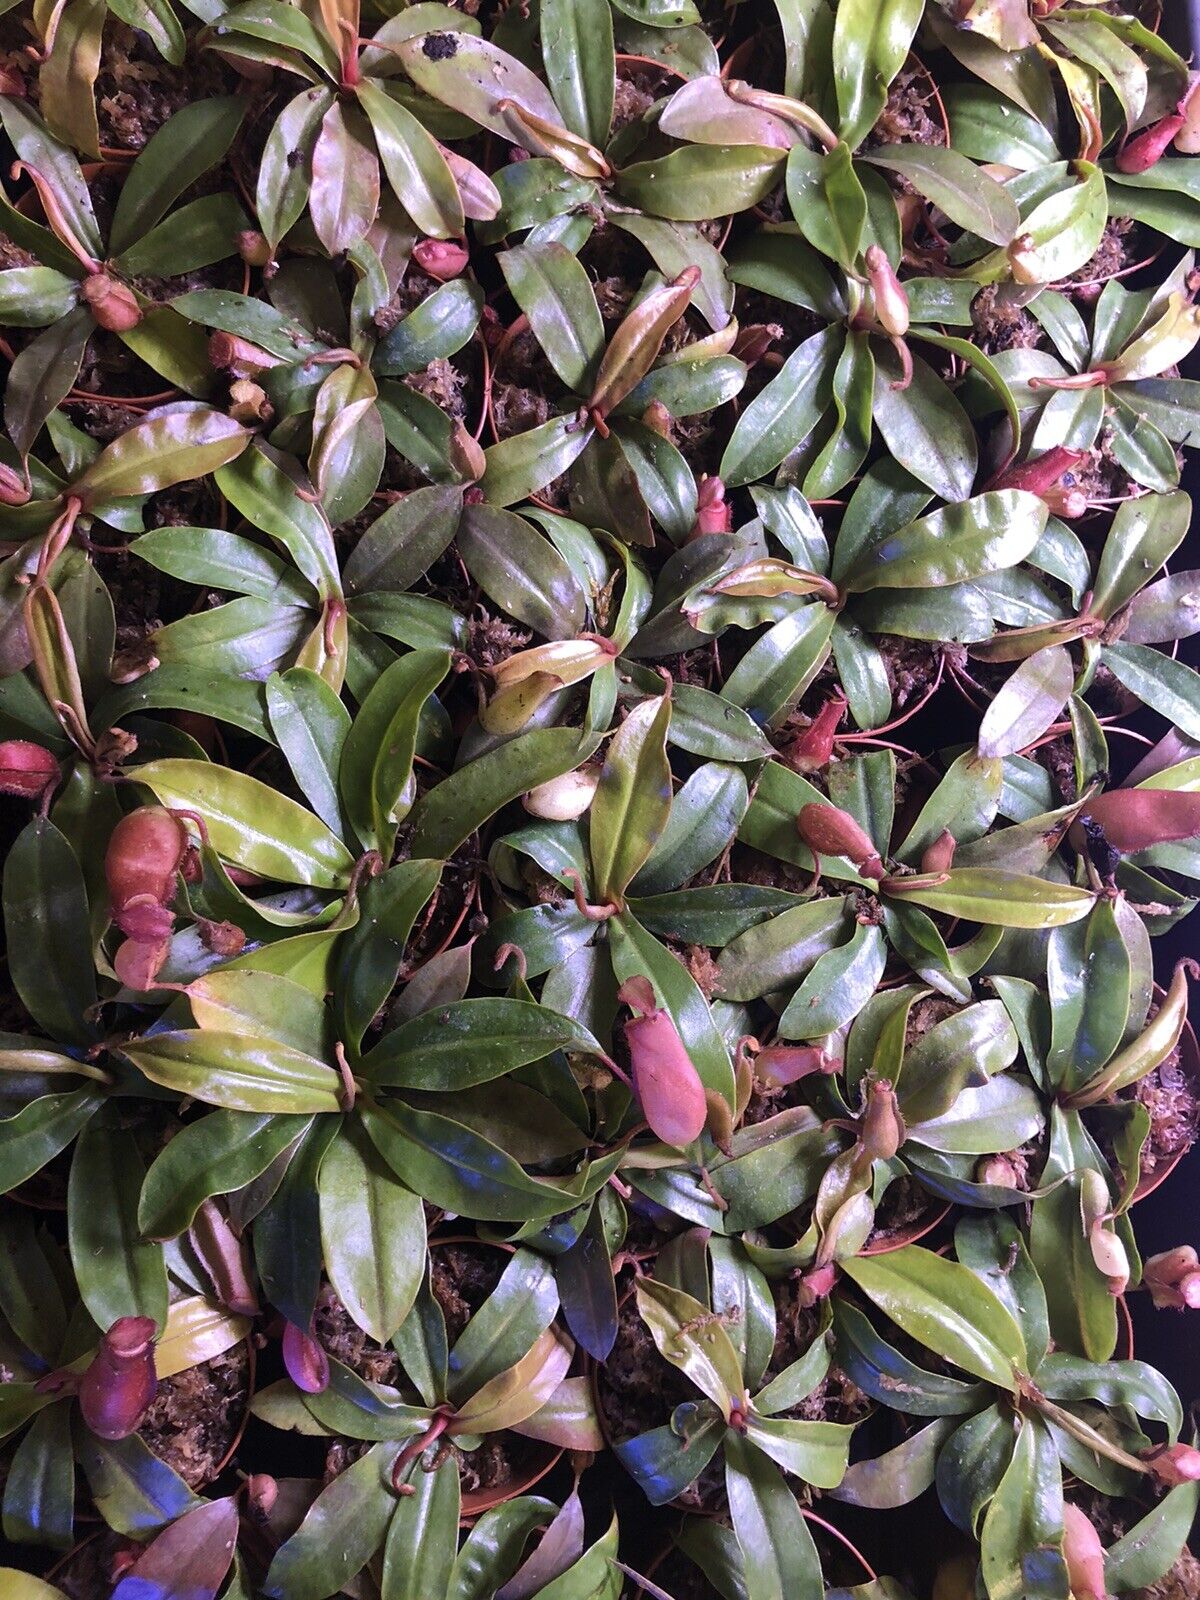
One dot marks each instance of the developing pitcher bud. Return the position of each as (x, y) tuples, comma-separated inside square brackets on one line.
[(144, 854), (1173, 1279), (891, 302), (14, 491), (998, 1171), (813, 750), (1023, 260), (816, 1285), (939, 856), (881, 1129), (829, 831), (113, 303), (1084, 1555), (262, 1491), (305, 1359), (664, 1079), (26, 769), (116, 1390), (440, 259), (253, 247), (1108, 1249), (1174, 1464), (782, 1064), (229, 352), (713, 512), (1148, 147), (563, 799)]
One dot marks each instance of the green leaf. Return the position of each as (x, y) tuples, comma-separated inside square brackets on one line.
[(422, 1538), (49, 944), (415, 167), (946, 1308), (450, 812), (119, 1273), (521, 571), (36, 1134), (1083, 1316), (473, 1041), (375, 775), (39, 1493), (633, 801), (1003, 899), (310, 725), (217, 1154), (1154, 1543), (251, 824), (967, 195), (506, 1327), (134, 1492), (264, 489), (371, 954), (520, 465), (181, 441), (985, 534), (372, 1235), (475, 78), (871, 39), (838, 986), (690, 1338), (402, 544), (698, 182), (237, 1072), (1166, 685), (785, 412), (779, 1557), (344, 1528), (433, 330), (1020, 1549), (1028, 703), (925, 427)]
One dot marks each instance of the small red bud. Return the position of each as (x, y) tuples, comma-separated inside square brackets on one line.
[(713, 512), (440, 259), (305, 1359), (658, 419), (253, 247), (891, 302), (26, 769), (664, 1078), (116, 1390), (782, 1064), (113, 303), (1173, 1279), (754, 341), (228, 352), (816, 1284), (1041, 475), (813, 750), (1148, 147), (939, 856), (1174, 1464), (14, 491), (262, 1491), (829, 831), (222, 938), (137, 963)]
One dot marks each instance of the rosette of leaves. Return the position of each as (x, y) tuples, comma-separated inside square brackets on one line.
[(810, 942), (507, 1371), (51, 1326), (364, 1126), (358, 123), (324, 379), (1119, 75), (1026, 1414), (82, 280), (622, 471), (1084, 1046), (890, 570), (1106, 389), (948, 1093), (1122, 615), (722, 1343)]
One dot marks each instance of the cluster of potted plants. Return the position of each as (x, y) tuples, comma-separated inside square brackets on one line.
[(596, 748)]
